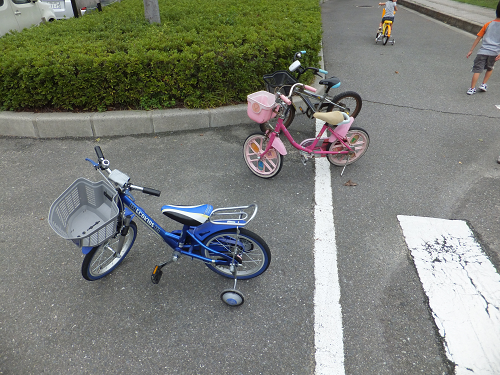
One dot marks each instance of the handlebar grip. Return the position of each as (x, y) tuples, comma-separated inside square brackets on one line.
[(322, 71), (151, 191), (285, 99), (310, 88), (99, 152)]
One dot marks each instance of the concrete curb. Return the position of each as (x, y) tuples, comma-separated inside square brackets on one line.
[(117, 123), (466, 25)]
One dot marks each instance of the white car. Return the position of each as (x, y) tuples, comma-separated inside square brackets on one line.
[(19, 14), (61, 8)]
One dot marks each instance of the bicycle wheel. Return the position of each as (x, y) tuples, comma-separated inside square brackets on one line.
[(271, 124), (102, 259), (253, 252), (356, 137), (272, 162), (387, 34), (349, 102), (379, 34)]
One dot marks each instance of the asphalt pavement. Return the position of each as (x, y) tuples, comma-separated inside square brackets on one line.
[(119, 123), (433, 153)]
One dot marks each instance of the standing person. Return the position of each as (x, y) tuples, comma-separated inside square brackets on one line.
[(389, 11), (488, 54)]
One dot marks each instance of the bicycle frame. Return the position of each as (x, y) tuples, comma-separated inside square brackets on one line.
[(305, 95), (336, 134), (385, 25), (198, 234)]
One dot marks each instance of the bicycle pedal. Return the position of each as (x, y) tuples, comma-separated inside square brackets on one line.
[(156, 275)]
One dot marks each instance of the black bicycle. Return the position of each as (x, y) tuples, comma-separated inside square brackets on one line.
[(349, 101)]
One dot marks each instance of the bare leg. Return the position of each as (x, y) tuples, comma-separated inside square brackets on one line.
[(487, 76), (475, 77)]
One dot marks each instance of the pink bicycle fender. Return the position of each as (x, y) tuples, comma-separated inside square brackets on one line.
[(279, 146), (341, 130)]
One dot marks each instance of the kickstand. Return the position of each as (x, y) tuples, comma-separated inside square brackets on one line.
[(347, 161)]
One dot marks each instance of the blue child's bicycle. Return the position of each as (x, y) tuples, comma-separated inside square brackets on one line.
[(97, 216)]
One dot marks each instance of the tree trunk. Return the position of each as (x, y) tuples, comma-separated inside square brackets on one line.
[(152, 11)]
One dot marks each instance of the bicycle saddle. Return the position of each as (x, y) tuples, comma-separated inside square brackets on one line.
[(188, 215), (330, 82), (333, 118)]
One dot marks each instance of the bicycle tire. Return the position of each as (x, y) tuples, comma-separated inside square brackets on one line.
[(254, 252), (387, 34), (98, 264), (271, 124), (268, 167), (349, 102), (355, 136)]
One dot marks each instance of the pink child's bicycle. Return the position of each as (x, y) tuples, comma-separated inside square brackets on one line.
[(263, 152)]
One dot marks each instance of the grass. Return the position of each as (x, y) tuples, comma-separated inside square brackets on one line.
[(205, 53), (482, 3)]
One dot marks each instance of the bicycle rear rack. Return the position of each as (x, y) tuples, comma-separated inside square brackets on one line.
[(233, 215)]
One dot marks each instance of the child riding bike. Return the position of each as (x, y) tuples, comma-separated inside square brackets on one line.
[(388, 12)]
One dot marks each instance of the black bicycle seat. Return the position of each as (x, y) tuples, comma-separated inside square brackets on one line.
[(330, 82)]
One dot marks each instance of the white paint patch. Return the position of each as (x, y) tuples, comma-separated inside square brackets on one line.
[(328, 335), (463, 289)]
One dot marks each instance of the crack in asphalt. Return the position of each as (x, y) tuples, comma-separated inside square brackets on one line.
[(431, 110)]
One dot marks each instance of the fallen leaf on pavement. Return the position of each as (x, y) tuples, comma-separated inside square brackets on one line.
[(350, 183)]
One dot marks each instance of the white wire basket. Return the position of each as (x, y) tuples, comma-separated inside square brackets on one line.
[(86, 213)]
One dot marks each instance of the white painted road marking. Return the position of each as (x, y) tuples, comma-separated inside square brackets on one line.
[(463, 288), (328, 336)]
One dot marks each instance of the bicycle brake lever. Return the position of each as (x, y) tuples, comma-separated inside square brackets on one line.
[(94, 164)]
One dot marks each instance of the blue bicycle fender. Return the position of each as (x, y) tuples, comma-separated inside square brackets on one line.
[(86, 249), (203, 231)]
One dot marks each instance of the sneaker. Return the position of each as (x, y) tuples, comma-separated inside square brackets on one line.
[(471, 91), (483, 87), (498, 160)]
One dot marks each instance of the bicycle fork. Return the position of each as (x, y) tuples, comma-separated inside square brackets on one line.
[(123, 235)]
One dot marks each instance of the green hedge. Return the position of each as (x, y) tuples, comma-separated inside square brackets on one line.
[(205, 53)]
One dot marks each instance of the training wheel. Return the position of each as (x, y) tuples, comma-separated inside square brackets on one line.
[(232, 297)]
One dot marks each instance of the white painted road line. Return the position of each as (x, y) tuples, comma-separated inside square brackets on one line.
[(328, 336), (463, 288)]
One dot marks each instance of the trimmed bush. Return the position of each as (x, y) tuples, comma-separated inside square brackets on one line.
[(205, 53)]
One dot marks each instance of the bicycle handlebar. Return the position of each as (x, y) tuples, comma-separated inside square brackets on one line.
[(121, 179), (146, 190), (285, 99), (298, 84), (296, 65), (99, 153)]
